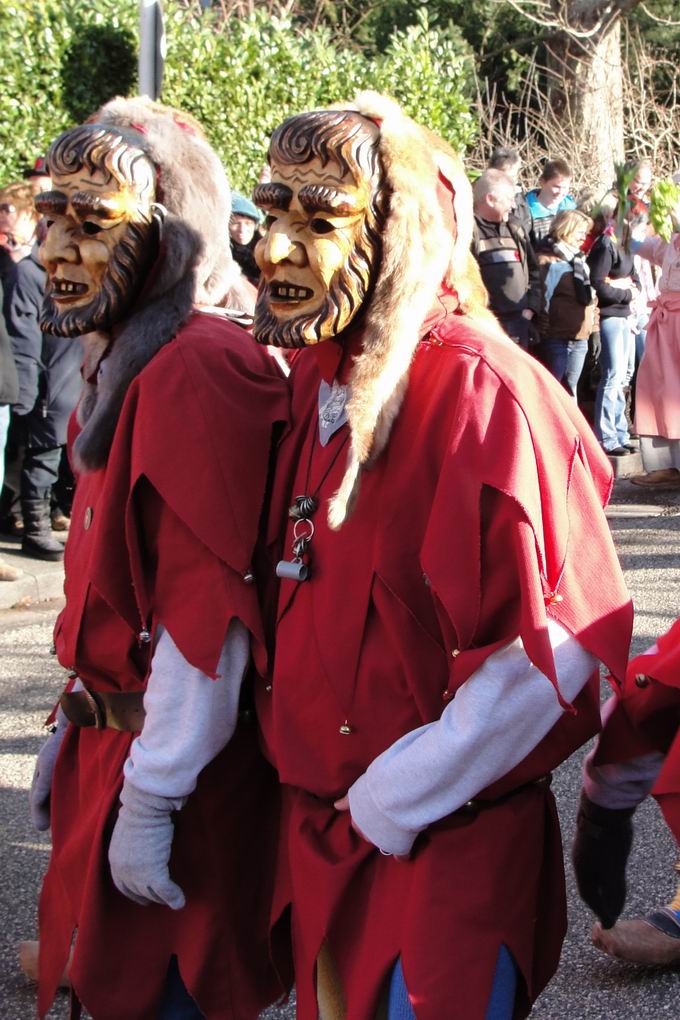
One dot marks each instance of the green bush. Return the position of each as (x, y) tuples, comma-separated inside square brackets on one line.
[(60, 59)]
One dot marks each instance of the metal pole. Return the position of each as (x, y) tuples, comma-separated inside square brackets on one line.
[(151, 48)]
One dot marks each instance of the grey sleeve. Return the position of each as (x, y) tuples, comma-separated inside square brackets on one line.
[(497, 717), (189, 718)]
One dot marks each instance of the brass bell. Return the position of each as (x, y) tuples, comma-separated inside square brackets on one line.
[(345, 729)]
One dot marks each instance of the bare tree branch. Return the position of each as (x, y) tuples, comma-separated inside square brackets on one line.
[(539, 131), (573, 16), (657, 19)]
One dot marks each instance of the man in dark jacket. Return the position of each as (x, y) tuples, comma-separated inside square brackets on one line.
[(506, 259), (509, 162), (49, 384)]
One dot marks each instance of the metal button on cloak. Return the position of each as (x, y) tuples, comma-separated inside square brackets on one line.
[(87, 521)]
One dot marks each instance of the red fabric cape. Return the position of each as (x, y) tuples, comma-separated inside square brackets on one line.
[(481, 520), (647, 718), (200, 419), (165, 534)]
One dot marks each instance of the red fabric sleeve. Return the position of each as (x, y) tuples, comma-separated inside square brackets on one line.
[(530, 484)]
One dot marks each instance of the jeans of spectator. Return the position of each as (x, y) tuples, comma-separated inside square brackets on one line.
[(517, 328), (611, 427), (501, 1002), (39, 472), (177, 1004), (565, 359), (4, 429)]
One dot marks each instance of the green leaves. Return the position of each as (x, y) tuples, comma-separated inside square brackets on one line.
[(262, 69), (60, 59), (664, 208)]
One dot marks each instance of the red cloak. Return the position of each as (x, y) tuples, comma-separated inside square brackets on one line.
[(165, 533), (481, 519)]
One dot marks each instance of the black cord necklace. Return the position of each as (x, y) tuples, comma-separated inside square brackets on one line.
[(302, 512)]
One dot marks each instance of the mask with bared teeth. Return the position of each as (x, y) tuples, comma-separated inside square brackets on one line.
[(325, 206), (99, 242)]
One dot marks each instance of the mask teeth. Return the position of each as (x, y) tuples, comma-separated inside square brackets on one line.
[(68, 287), (286, 290)]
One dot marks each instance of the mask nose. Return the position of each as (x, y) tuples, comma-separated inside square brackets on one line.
[(280, 247), (58, 247)]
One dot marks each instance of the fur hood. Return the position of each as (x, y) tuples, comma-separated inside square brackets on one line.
[(420, 251), (195, 268)]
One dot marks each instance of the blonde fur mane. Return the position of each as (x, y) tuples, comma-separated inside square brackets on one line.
[(419, 253)]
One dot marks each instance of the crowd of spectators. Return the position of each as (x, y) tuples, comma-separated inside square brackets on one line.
[(572, 281)]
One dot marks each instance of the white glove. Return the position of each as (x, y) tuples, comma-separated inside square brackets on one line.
[(41, 784), (140, 848)]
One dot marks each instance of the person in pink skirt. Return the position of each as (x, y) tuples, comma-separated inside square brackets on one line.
[(657, 408)]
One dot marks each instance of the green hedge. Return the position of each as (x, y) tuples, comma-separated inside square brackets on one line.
[(59, 59)]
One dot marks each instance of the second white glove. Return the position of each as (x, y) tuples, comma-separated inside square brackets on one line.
[(139, 853)]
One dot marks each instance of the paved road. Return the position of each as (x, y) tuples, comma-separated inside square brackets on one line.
[(588, 986)]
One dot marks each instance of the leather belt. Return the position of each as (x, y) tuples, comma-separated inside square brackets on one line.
[(115, 710)]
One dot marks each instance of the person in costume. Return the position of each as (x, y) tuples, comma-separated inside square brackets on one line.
[(163, 813), (637, 753), (447, 586)]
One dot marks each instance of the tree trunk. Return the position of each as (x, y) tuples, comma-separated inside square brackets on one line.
[(586, 90)]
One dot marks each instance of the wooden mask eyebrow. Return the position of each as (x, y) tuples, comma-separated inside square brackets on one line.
[(50, 202), (272, 195), (325, 198), (86, 203)]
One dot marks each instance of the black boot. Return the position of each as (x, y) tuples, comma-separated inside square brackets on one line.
[(37, 541)]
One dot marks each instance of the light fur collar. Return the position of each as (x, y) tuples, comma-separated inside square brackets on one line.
[(419, 254)]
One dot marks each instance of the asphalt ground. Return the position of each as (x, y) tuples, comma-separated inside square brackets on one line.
[(588, 985)]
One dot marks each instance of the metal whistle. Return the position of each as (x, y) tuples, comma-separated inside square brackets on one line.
[(292, 570)]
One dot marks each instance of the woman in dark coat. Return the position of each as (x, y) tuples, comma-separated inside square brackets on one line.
[(613, 277), (9, 393), (49, 384)]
